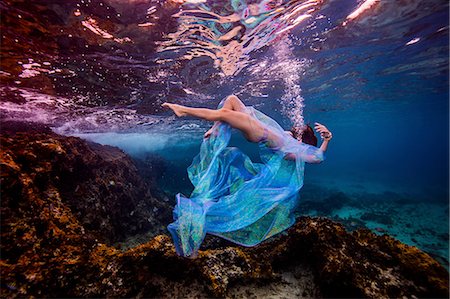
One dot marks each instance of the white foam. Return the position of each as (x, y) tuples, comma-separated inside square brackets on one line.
[(137, 143)]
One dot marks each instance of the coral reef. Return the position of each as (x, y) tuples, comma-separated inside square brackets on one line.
[(60, 211)]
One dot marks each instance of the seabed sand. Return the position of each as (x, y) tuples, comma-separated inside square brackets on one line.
[(412, 220), (297, 282)]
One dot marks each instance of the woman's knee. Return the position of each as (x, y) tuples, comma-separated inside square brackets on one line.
[(232, 97), (235, 103), (229, 101)]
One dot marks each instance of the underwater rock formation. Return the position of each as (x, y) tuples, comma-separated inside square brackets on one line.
[(60, 209), (99, 184)]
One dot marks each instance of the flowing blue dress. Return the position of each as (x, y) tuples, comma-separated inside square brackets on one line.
[(237, 199)]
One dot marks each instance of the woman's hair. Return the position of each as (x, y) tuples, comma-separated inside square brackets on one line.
[(307, 135)]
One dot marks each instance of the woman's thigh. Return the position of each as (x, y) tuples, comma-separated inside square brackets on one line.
[(249, 126)]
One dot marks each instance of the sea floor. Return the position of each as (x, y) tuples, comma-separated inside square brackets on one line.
[(415, 222), (296, 282)]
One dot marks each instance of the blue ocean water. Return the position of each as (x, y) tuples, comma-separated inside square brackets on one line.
[(378, 80), (386, 102)]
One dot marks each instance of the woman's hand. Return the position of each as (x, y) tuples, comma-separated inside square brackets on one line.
[(208, 133), (324, 132)]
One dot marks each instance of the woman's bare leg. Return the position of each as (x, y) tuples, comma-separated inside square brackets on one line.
[(249, 126), (232, 102), (203, 113)]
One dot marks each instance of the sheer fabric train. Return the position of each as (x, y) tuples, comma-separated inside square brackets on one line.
[(235, 198)]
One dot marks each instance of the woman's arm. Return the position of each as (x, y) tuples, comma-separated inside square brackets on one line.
[(309, 154), (325, 134), (324, 145), (313, 154)]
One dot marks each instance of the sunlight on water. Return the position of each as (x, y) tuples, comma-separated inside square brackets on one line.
[(230, 36)]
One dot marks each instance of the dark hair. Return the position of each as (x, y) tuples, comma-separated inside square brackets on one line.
[(307, 135)]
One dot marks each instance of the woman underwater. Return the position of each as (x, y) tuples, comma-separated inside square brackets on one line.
[(233, 197)]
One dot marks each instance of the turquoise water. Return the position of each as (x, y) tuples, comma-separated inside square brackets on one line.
[(378, 81)]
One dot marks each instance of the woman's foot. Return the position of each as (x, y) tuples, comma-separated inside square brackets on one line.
[(177, 109)]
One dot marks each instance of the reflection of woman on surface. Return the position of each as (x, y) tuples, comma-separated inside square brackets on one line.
[(235, 113), (235, 198)]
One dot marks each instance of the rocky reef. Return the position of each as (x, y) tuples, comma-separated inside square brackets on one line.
[(65, 201)]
